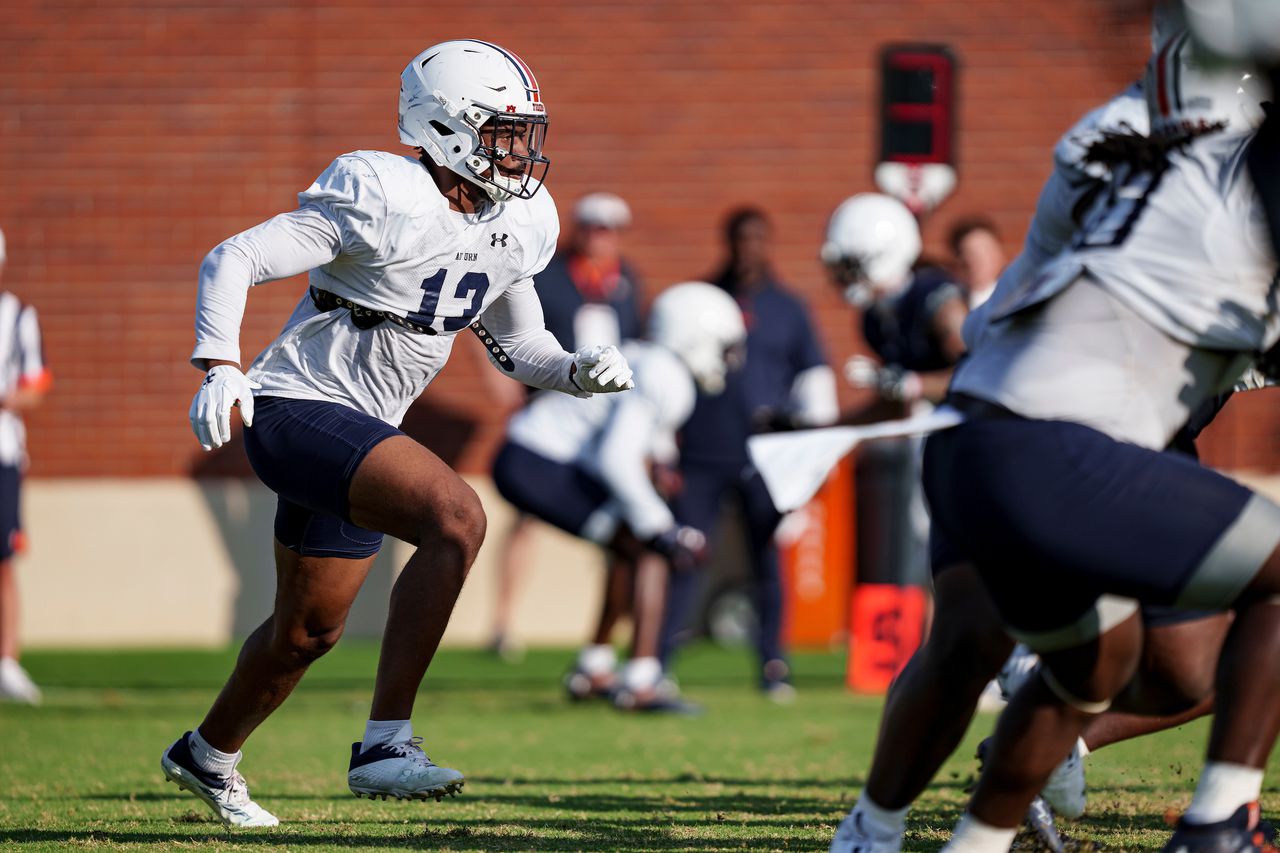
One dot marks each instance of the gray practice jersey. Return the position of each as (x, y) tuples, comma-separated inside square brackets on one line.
[(613, 436), (375, 229), (1165, 295), (1064, 198)]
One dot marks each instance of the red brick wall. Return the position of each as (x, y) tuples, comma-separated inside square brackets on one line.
[(136, 135)]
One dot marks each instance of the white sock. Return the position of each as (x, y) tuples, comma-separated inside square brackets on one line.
[(211, 759), (881, 821), (1222, 789), (379, 732), (597, 660), (641, 673), (974, 836)]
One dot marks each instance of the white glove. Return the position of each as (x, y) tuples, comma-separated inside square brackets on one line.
[(892, 382), (224, 386), (601, 370)]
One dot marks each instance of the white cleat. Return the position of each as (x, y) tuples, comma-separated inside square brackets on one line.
[(16, 685), (1017, 670), (854, 836), (400, 770), (228, 796), (1065, 790)]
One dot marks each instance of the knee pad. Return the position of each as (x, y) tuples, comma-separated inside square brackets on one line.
[(1070, 698)]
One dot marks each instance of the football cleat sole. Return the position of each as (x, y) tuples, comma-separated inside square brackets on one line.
[(450, 789)]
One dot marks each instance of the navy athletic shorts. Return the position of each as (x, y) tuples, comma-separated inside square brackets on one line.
[(1056, 514), (307, 451), (10, 517), (560, 494)]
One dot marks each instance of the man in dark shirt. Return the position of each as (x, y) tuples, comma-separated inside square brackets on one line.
[(785, 382), (589, 292)]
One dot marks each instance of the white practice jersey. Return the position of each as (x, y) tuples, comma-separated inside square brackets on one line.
[(1179, 294), (374, 229), (21, 366), (1063, 199), (613, 436)]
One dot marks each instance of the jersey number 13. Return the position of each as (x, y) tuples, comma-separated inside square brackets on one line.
[(456, 305)]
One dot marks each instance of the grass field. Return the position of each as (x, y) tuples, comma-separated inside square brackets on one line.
[(82, 771)]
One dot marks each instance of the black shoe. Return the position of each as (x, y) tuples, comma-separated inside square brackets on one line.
[(1243, 832)]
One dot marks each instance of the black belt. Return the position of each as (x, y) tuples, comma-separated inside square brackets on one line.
[(364, 318), (977, 409), (367, 318)]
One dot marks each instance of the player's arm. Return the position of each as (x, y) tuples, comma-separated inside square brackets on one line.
[(34, 378), (625, 444), (278, 248), (518, 343), (947, 325)]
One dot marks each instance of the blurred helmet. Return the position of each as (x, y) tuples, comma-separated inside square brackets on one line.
[(703, 325), (469, 104), (872, 242), (603, 210), (1188, 91)]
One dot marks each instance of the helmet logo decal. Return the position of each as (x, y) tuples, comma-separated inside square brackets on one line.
[(526, 75)]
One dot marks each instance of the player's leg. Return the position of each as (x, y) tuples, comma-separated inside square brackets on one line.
[(15, 684), (313, 597), (761, 520), (1174, 684), (403, 489), (576, 502), (617, 602), (929, 707), (1246, 715), (1093, 511), (1044, 719), (698, 506), (515, 555)]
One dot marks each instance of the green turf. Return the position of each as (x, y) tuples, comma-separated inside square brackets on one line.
[(82, 771)]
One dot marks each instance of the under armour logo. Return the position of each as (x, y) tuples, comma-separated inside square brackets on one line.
[(498, 240)]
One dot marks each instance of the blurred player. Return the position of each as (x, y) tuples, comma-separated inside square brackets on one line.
[(912, 320), (585, 468), (403, 253), (1078, 381), (938, 691), (23, 383), (785, 383), (590, 296)]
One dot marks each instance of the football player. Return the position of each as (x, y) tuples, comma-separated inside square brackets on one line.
[(585, 468), (1055, 487), (404, 252), (938, 691), (24, 381)]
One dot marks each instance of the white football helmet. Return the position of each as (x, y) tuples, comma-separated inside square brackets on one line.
[(470, 105), (1188, 91), (872, 242), (703, 325)]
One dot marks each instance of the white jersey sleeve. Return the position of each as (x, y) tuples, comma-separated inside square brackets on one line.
[(350, 195), (283, 246), (642, 425), (518, 343), (32, 370), (1063, 200)]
